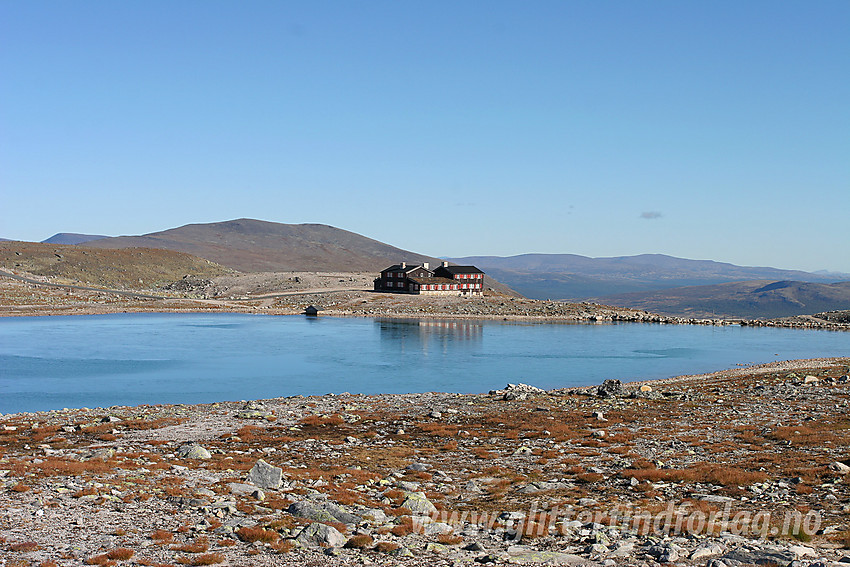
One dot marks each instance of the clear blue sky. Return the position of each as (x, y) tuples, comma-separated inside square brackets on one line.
[(712, 130)]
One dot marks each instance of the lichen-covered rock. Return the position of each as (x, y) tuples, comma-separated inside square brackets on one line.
[(418, 503), (265, 475), (321, 512), (193, 451), (320, 535)]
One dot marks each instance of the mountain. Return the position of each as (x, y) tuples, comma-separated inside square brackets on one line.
[(251, 245), (72, 238), (574, 277), (135, 268), (749, 299)]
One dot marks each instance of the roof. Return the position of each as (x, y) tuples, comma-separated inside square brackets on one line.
[(434, 281), (408, 268), (461, 269)]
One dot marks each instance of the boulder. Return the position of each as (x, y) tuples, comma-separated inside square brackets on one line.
[(265, 475), (321, 512), (192, 451), (761, 557), (610, 389), (418, 503), (320, 535)]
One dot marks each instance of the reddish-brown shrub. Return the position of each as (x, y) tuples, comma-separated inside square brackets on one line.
[(120, 554), (162, 536), (24, 546), (359, 541), (205, 559), (200, 545), (250, 535), (386, 546)]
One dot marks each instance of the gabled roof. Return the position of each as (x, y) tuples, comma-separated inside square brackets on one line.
[(406, 269), (460, 269)]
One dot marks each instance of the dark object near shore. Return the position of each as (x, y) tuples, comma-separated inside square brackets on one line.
[(312, 311), (610, 389)]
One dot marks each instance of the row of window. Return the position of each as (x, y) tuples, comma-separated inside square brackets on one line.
[(457, 276), (448, 287)]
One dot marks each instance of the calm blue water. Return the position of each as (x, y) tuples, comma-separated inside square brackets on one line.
[(99, 361)]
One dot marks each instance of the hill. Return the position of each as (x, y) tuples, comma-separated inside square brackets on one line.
[(574, 277), (749, 299), (251, 245), (72, 238), (138, 268)]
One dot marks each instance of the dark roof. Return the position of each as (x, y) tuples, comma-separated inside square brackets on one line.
[(434, 281), (408, 268), (460, 269)]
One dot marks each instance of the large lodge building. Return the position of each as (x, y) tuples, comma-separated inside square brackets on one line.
[(420, 279)]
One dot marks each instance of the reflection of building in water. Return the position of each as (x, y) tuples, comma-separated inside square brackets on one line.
[(413, 334), (460, 330)]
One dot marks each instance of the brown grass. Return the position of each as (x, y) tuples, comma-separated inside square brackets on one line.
[(205, 559), (250, 535), (120, 554), (162, 536), (703, 472), (386, 546), (24, 546), (449, 539), (359, 541), (200, 545)]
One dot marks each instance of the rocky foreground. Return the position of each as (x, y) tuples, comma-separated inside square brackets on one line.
[(745, 467)]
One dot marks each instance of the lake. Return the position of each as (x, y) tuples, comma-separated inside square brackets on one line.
[(131, 359)]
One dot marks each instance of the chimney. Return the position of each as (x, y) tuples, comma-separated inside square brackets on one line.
[(403, 265), (445, 264), (426, 265)]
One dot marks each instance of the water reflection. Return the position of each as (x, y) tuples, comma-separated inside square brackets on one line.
[(423, 335)]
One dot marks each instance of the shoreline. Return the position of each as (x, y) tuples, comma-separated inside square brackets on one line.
[(616, 318), (683, 379), (26, 297)]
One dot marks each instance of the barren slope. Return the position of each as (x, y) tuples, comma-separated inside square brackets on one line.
[(134, 268)]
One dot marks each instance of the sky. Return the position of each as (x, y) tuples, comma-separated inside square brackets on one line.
[(708, 130)]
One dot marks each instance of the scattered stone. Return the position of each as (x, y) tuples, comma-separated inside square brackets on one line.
[(706, 550), (547, 557), (240, 489), (840, 467), (761, 557)]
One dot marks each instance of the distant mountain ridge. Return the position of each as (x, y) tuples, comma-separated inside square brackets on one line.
[(748, 299), (575, 277), (250, 245), (72, 238)]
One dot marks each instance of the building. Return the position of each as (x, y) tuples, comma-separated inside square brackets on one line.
[(420, 279)]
